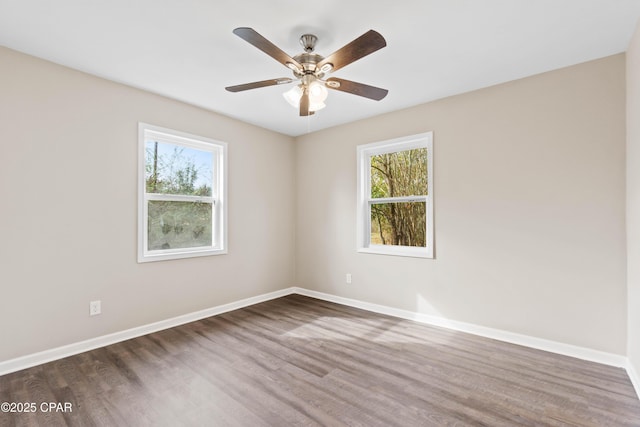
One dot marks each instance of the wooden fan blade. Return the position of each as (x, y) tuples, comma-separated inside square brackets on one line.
[(367, 43), (251, 36), (355, 88), (304, 103), (255, 85)]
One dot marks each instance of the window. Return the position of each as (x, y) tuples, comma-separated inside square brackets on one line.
[(395, 197), (181, 195)]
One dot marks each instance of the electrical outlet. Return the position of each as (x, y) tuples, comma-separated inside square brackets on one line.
[(94, 308), (348, 277)]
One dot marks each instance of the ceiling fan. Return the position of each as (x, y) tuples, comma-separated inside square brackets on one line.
[(309, 68)]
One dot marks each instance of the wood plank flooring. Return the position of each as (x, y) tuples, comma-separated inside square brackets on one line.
[(298, 361)]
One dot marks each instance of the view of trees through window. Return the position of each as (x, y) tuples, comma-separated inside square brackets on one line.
[(399, 175), (174, 169), (181, 171)]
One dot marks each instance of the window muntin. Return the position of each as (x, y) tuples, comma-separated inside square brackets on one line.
[(395, 188), (182, 209)]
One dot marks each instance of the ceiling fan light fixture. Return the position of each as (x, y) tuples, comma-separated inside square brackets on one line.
[(293, 95), (315, 106), (317, 92)]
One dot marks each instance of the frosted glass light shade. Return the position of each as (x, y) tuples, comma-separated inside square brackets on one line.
[(293, 96), (317, 94)]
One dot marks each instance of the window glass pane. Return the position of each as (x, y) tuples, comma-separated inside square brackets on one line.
[(175, 169), (398, 224), (403, 173), (176, 225)]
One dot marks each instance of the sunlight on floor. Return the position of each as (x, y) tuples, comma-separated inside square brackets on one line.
[(389, 330)]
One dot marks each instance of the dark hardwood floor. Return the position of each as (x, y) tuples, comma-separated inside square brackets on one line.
[(301, 361)]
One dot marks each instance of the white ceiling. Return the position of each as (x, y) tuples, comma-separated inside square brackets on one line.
[(185, 49)]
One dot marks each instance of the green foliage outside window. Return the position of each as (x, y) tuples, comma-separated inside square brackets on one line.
[(177, 170), (172, 169), (399, 174)]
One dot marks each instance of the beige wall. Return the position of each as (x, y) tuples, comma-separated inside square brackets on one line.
[(529, 204), (68, 147), (529, 209), (633, 198)]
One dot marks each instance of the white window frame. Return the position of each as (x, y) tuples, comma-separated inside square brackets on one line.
[(364, 153), (217, 198)]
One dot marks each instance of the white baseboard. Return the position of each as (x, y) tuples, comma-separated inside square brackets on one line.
[(497, 334), (27, 361), (34, 359), (633, 376)]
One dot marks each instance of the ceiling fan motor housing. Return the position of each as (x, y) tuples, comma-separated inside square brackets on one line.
[(308, 62)]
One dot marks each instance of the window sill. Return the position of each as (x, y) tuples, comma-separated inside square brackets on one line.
[(179, 255), (405, 251)]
